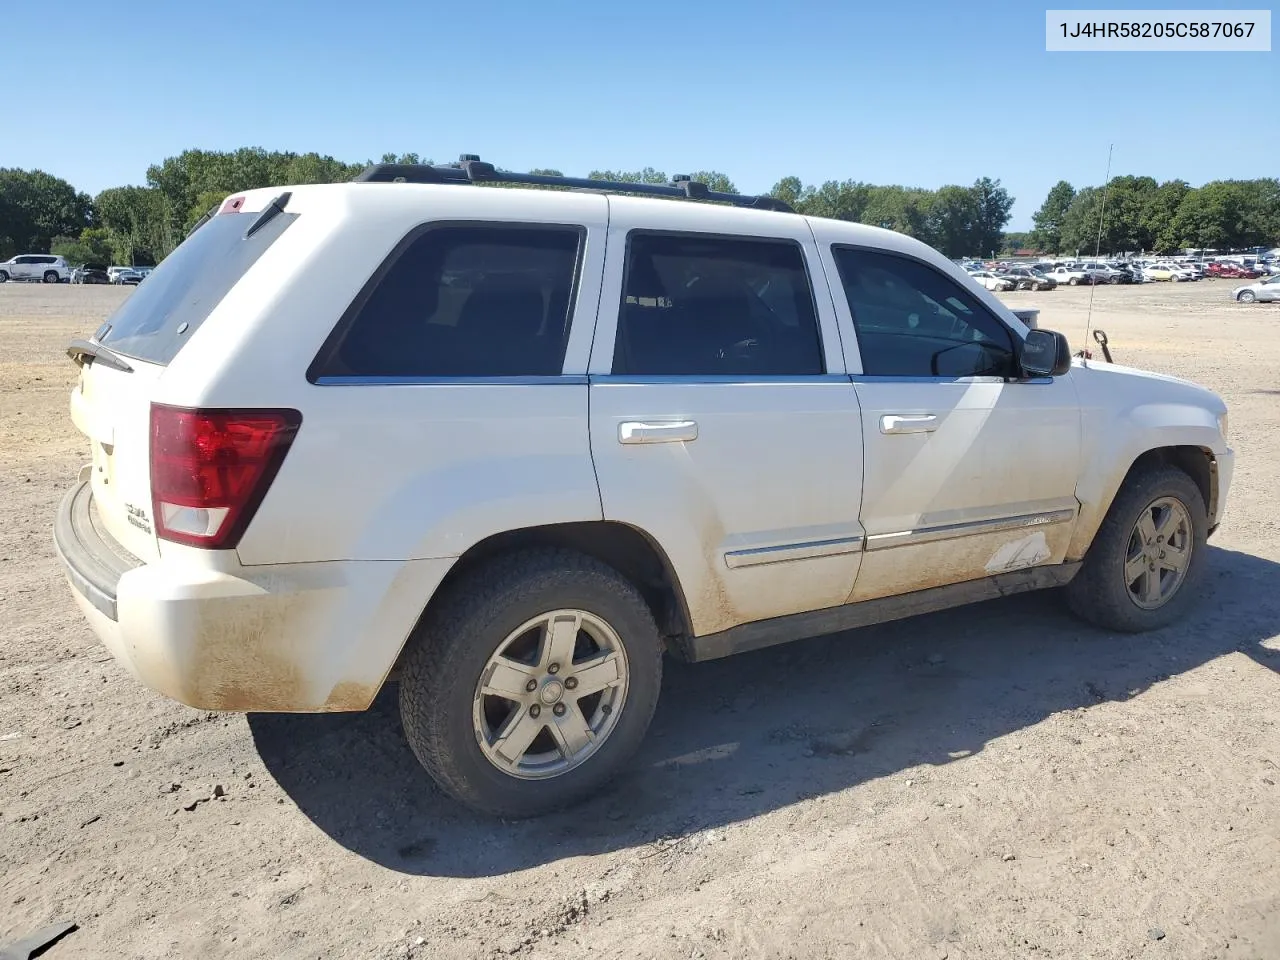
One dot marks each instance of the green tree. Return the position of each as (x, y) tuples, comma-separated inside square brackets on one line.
[(1048, 219), (94, 245), (1015, 241), (1080, 223), (1210, 216), (140, 221), (1160, 212), (35, 207), (953, 221), (647, 175), (904, 209), (994, 206)]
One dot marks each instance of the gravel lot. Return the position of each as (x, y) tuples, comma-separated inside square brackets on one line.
[(996, 782)]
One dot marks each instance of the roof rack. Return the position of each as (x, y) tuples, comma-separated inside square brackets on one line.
[(471, 169)]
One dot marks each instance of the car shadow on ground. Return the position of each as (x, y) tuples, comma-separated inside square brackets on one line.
[(750, 734)]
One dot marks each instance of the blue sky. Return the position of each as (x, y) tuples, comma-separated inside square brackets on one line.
[(919, 93)]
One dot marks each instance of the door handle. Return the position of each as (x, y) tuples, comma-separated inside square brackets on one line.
[(909, 423), (669, 431)]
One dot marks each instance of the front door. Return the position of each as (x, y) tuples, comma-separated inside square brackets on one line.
[(968, 472), (722, 422), (23, 268)]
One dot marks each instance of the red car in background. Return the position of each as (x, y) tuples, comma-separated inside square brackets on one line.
[(1232, 270)]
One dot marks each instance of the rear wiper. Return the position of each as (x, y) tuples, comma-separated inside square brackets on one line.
[(86, 351), (273, 209)]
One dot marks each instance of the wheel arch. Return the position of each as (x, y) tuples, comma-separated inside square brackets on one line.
[(626, 548), (1198, 462)]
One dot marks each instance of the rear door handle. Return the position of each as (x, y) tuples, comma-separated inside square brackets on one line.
[(669, 431), (909, 423)]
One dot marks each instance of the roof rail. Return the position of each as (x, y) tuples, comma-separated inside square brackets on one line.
[(471, 169)]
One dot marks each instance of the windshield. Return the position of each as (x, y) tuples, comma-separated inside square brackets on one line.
[(181, 292)]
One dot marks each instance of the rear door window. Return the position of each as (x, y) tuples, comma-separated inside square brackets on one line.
[(464, 300), (162, 314), (700, 305)]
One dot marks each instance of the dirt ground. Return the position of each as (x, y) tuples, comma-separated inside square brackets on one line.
[(1001, 781)]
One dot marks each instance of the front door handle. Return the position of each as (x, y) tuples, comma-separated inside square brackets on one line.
[(909, 423), (668, 431)]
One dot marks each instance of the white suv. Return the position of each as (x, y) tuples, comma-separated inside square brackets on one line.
[(510, 446), (39, 267)]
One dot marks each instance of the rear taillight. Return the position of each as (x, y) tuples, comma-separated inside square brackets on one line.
[(211, 468)]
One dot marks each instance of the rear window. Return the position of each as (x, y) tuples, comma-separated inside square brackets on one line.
[(182, 291)]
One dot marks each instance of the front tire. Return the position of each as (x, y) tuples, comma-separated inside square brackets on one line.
[(1074, 282), (531, 682), (1246, 296), (4, 277), (1147, 557)]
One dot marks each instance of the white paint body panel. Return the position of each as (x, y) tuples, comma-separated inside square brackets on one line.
[(762, 507)]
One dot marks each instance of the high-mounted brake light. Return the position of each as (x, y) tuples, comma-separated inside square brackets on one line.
[(210, 470)]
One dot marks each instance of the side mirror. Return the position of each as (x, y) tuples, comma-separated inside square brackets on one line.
[(1045, 353)]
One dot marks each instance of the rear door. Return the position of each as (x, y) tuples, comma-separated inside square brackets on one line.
[(111, 402), (722, 424)]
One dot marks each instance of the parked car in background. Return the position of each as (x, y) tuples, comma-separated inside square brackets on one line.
[(1231, 270), (127, 276), (989, 280), (37, 268), (1028, 279), (115, 271), (1263, 291), (1101, 272), (1168, 271), (90, 273), (1072, 276), (1130, 273)]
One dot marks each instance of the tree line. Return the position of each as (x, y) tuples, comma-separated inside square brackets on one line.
[(40, 213), (1141, 215)]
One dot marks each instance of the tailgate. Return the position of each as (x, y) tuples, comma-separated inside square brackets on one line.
[(113, 409), (111, 404)]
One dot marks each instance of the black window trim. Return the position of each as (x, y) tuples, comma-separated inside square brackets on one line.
[(325, 354), (642, 378), (1014, 337)]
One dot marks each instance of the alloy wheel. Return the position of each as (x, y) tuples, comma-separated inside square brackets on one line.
[(550, 695), (1159, 553)]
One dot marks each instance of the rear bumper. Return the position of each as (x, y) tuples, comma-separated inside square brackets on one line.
[(205, 631)]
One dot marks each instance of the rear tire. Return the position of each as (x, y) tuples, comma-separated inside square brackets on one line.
[(495, 627), (50, 277), (1163, 507), (1074, 282)]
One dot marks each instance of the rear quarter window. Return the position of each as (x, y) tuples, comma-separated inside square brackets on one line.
[(465, 300), (162, 314)]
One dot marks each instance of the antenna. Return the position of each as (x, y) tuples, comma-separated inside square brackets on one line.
[(1097, 249)]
